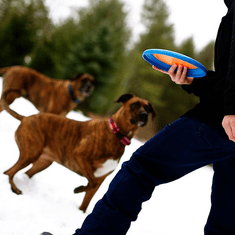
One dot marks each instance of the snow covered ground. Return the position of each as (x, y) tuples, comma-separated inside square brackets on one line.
[(49, 204)]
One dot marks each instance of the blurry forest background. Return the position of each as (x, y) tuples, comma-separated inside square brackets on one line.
[(97, 41)]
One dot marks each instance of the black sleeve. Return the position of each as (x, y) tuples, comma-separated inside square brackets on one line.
[(229, 91), (221, 83), (201, 86)]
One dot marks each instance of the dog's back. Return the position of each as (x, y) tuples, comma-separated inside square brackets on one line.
[(18, 73), (4, 70)]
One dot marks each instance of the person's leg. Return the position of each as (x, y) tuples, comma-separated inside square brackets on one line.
[(221, 220), (178, 149)]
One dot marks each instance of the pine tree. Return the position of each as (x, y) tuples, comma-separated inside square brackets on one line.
[(206, 55), (100, 50), (20, 25)]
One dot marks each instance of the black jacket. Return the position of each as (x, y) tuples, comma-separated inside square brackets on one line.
[(217, 89)]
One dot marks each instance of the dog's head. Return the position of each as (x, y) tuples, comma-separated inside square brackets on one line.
[(85, 83), (137, 110)]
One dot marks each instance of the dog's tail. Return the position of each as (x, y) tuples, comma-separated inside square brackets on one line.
[(7, 108), (4, 70)]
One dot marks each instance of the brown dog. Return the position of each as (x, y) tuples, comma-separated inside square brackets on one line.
[(47, 95), (91, 149)]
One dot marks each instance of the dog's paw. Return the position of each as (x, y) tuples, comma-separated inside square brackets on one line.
[(79, 189), (83, 208), (46, 233), (16, 191)]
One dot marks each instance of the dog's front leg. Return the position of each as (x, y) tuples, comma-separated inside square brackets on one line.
[(91, 184), (82, 188), (90, 193), (86, 170)]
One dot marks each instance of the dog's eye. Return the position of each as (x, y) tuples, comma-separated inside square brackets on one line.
[(147, 108), (136, 105), (88, 81), (84, 81)]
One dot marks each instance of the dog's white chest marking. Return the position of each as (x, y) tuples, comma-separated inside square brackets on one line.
[(107, 167)]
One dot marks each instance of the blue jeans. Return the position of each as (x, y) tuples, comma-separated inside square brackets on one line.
[(180, 148)]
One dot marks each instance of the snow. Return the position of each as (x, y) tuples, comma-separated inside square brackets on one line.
[(49, 204)]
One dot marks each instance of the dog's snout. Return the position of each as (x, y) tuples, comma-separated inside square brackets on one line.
[(141, 119), (86, 88), (143, 115)]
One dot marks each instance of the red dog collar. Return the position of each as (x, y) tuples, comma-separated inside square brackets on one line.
[(115, 130)]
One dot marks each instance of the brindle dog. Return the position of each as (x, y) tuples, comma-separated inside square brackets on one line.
[(47, 95), (91, 149)]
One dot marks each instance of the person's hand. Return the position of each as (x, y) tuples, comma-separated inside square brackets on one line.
[(228, 124), (179, 77)]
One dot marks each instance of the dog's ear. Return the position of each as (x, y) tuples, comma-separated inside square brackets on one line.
[(76, 76), (152, 110), (124, 98)]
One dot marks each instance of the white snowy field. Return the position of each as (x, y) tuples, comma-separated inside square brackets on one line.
[(49, 204)]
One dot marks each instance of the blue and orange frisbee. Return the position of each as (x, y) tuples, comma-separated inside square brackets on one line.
[(164, 59)]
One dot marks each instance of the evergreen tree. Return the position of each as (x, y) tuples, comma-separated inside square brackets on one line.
[(43, 58), (206, 55), (63, 37), (187, 47), (100, 51), (21, 25), (15, 39)]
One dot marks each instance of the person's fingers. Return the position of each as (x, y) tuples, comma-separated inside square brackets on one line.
[(160, 70), (179, 77), (229, 126), (171, 71), (183, 78), (178, 74)]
